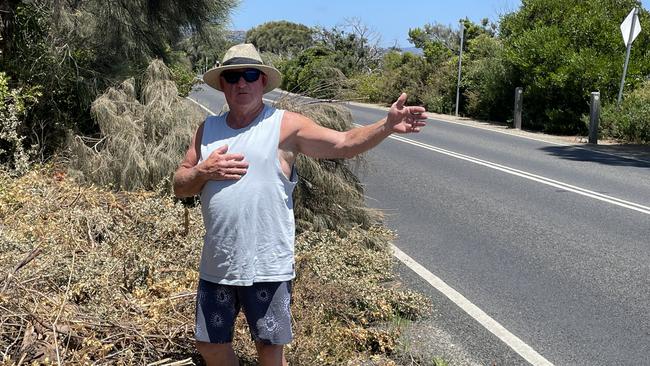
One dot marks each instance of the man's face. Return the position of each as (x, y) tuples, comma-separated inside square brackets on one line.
[(243, 86)]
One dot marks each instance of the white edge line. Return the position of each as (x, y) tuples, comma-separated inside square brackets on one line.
[(524, 350), (543, 140), (530, 176), (201, 105), (564, 144)]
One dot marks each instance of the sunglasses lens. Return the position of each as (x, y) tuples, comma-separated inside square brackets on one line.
[(232, 77), (251, 75)]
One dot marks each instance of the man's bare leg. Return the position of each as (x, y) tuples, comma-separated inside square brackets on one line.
[(270, 354), (217, 354)]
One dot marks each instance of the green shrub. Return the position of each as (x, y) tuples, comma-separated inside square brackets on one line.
[(439, 94), (184, 78), (630, 122), (14, 156), (314, 73), (487, 91)]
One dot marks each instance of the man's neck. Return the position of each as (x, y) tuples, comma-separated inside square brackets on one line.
[(242, 116)]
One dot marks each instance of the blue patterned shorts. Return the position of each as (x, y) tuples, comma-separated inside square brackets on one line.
[(265, 304)]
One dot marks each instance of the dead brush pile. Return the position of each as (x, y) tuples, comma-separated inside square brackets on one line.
[(90, 275), (94, 276)]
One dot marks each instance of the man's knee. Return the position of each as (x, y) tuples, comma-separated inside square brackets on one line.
[(216, 353), (270, 354)]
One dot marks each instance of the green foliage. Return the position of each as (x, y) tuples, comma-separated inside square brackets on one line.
[(73, 50), (561, 50), (15, 103), (439, 42), (205, 48), (352, 52), (439, 90), (184, 78), (399, 73), (315, 73), (324, 70), (440, 45), (630, 122), (487, 90), (281, 37)]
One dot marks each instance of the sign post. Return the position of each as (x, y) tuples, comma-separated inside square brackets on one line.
[(630, 28)]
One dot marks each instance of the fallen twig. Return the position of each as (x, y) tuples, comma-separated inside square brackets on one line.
[(30, 257)]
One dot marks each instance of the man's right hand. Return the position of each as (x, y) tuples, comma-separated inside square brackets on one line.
[(222, 166)]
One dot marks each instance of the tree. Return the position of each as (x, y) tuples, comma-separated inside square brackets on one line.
[(73, 50), (281, 37), (561, 50), (439, 42)]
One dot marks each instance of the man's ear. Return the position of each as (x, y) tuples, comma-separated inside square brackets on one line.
[(222, 83), (265, 80)]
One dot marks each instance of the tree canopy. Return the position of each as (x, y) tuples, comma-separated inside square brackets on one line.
[(75, 49), (281, 37)]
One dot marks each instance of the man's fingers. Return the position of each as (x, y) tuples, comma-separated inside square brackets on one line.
[(401, 101), (238, 157), (236, 171), (220, 150), (234, 164), (231, 177)]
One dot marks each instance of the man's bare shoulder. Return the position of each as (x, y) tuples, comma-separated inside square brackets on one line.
[(292, 121)]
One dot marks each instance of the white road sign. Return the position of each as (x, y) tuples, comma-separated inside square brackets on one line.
[(632, 18)]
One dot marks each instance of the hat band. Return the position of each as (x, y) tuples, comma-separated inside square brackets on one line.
[(241, 61)]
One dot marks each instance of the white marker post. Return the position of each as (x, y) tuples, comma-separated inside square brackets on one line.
[(630, 28), (460, 60)]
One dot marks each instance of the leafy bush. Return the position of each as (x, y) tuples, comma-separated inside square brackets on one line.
[(562, 50), (399, 73), (486, 87), (630, 122), (314, 73), (73, 50), (184, 78), (14, 105)]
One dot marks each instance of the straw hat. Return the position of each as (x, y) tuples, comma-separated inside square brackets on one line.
[(243, 56)]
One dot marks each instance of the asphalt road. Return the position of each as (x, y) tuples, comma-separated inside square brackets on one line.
[(550, 240)]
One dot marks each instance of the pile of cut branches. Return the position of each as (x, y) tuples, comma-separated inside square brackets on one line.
[(88, 275)]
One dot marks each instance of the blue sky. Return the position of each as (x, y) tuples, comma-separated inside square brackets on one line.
[(390, 19)]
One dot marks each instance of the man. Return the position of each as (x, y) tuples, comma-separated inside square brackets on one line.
[(242, 165)]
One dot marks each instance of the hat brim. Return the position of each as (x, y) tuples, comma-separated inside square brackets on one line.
[(273, 76)]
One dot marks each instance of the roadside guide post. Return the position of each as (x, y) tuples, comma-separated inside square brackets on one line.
[(519, 104), (594, 117), (460, 59), (630, 28)]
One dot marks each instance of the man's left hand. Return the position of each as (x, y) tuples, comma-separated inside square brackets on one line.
[(403, 119)]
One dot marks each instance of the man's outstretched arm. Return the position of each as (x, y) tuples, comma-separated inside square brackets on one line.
[(316, 141)]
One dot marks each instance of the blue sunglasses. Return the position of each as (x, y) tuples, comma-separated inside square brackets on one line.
[(250, 75)]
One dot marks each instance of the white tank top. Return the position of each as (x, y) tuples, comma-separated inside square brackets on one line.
[(249, 223)]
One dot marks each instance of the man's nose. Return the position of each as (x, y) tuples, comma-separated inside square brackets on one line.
[(241, 81)]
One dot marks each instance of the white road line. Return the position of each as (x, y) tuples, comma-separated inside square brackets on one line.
[(537, 178), (540, 140), (201, 105), (475, 312)]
